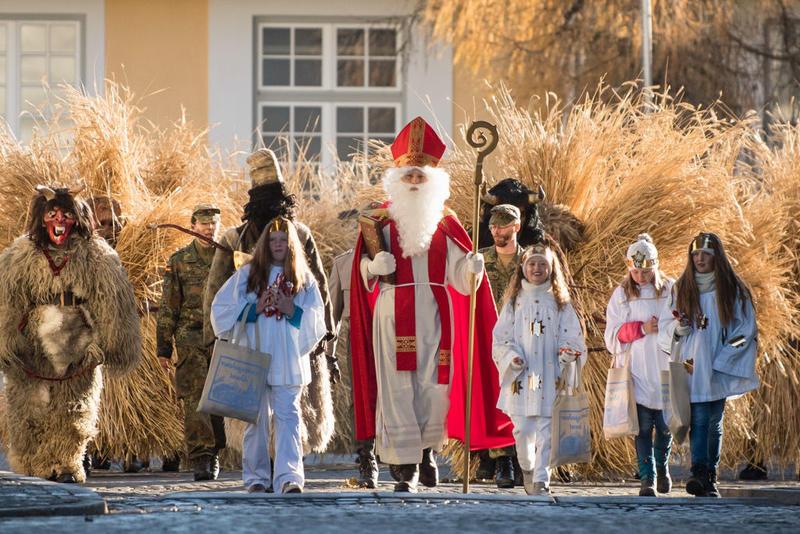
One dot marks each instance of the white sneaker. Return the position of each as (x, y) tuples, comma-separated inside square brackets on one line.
[(292, 487), (527, 481), (540, 488)]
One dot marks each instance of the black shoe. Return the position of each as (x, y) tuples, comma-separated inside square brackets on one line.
[(100, 462), (663, 480), (134, 465), (367, 469), (646, 488), (171, 464), (711, 485), (518, 478), (87, 464), (696, 485), (408, 475), (202, 468), (214, 466), (428, 470), (504, 472), (753, 472), (486, 466), (66, 478)]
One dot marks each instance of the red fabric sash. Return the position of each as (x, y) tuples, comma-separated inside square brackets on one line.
[(405, 304)]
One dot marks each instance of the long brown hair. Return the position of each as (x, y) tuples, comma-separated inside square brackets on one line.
[(295, 266), (728, 283), (557, 279), (632, 290)]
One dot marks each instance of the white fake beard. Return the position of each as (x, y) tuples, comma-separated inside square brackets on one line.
[(417, 213)]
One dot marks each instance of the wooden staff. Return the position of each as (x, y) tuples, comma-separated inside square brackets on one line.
[(476, 138)]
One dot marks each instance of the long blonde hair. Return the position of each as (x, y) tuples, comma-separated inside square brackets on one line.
[(295, 266), (557, 279), (632, 290)]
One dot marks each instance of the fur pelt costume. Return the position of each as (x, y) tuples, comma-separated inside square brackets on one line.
[(68, 313), (269, 198)]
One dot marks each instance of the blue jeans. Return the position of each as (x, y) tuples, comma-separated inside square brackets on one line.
[(651, 455), (705, 433)]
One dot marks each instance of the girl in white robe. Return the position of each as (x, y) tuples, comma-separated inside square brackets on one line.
[(537, 336), (288, 311), (631, 335), (711, 313)]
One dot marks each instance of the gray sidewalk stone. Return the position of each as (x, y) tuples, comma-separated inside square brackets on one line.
[(22, 496)]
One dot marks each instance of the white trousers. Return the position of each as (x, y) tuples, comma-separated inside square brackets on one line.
[(532, 435), (282, 403)]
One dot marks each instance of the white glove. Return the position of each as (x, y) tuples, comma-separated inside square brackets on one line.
[(566, 356), (382, 264), (683, 330), (475, 263)]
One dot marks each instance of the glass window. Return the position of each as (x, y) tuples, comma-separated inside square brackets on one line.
[(357, 125), (366, 57), (296, 128), (291, 57)]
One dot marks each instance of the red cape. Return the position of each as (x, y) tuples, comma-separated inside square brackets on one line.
[(490, 428)]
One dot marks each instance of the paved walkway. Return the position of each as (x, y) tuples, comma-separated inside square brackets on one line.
[(27, 496)]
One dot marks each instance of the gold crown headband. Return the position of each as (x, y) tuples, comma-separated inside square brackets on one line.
[(640, 261), (540, 250), (702, 242), (277, 225)]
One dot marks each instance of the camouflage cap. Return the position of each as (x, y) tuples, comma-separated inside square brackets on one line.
[(504, 214), (206, 213)]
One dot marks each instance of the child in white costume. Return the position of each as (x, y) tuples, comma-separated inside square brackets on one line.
[(537, 334), (711, 313), (632, 331), (289, 314)]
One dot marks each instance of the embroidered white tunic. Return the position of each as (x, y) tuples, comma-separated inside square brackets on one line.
[(289, 346), (647, 360), (721, 370), (530, 391)]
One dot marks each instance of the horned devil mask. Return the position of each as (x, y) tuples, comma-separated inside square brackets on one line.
[(60, 214)]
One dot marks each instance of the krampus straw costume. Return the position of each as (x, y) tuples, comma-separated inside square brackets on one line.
[(67, 310), (269, 198)]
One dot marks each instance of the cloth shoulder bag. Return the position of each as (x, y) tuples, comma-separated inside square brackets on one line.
[(237, 375), (619, 416), (570, 441)]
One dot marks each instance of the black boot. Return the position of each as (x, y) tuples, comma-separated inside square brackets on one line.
[(646, 487), (697, 483), (663, 480), (428, 470), (711, 484), (134, 465), (518, 478), (367, 469), (408, 475), (486, 465), (504, 472), (753, 472), (202, 468), (171, 464)]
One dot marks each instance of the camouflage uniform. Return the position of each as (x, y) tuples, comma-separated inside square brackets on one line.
[(499, 275), (180, 318)]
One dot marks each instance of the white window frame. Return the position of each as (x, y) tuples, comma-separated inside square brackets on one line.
[(329, 58), (325, 121), (365, 106), (15, 106)]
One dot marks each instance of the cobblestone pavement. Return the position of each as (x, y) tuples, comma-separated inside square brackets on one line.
[(25, 496)]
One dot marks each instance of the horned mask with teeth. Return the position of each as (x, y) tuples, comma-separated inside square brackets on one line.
[(56, 215)]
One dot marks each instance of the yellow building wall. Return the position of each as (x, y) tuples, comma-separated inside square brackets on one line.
[(159, 48)]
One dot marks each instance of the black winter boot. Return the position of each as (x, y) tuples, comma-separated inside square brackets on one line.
[(711, 484), (486, 465), (367, 469), (504, 472), (753, 472), (171, 464), (646, 488), (202, 468), (428, 470), (408, 476), (697, 483), (663, 480)]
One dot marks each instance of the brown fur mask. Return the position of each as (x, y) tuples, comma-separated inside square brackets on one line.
[(47, 198)]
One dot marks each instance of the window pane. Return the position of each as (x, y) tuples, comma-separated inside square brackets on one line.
[(307, 119), (350, 119), (384, 140), (33, 38), (275, 72), (276, 41), (275, 118), (347, 146), (276, 143), (308, 42), (382, 73), (62, 38), (33, 69), (309, 146), (34, 96), (380, 120), (26, 128), (350, 42), (350, 73), (2, 72), (382, 42), (62, 69), (2, 37), (308, 72)]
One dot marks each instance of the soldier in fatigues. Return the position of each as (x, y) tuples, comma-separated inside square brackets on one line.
[(180, 320), (501, 260)]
